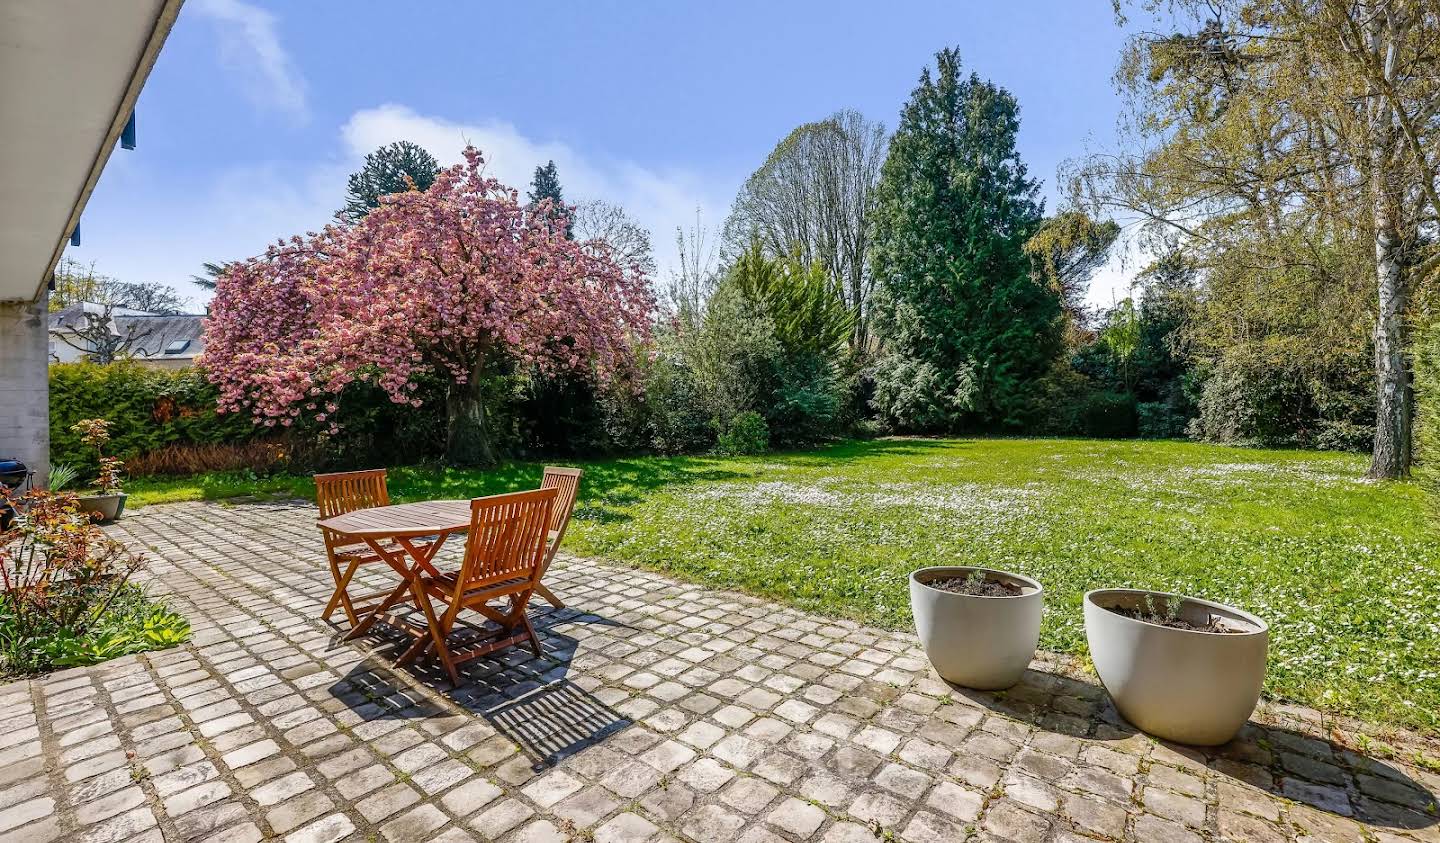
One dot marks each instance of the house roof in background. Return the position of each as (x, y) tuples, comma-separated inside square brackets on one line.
[(179, 337)]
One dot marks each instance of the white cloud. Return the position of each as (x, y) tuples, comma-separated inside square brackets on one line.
[(660, 199), (250, 48), (141, 227)]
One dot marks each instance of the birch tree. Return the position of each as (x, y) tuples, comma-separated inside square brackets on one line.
[(1280, 122)]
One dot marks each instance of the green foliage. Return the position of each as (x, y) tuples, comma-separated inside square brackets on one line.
[(62, 474), (546, 186), (745, 434), (807, 315), (1247, 399), (393, 168), (67, 597), (743, 362), (132, 624), (1066, 251), (1107, 415), (563, 414), (1426, 351), (147, 409), (678, 422), (1159, 420), (967, 327), (1067, 402)]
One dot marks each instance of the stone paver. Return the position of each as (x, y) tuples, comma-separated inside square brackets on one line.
[(660, 711)]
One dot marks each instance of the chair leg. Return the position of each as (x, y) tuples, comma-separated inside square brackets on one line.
[(341, 597), (389, 601), (549, 596), (530, 630), (436, 633)]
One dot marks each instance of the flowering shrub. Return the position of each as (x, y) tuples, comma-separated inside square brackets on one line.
[(68, 598), (442, 282)]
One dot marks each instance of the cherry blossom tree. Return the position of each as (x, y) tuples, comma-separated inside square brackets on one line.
[(445, 281)]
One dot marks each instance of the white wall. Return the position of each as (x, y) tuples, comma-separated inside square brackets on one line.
[(25, 384)]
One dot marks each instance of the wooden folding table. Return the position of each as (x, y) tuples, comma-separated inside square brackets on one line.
[(402, 524)]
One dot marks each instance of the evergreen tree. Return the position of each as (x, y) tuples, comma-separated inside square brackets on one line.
[(385, 172), (966, 326), (546, 185)]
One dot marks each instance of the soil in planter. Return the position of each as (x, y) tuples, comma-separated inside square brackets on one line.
[(1150, 615), (976, 586)]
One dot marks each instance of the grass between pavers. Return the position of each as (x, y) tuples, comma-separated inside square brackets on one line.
[(1346, 571)]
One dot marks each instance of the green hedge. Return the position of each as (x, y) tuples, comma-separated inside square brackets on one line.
[(147, 410), (1426, 354)]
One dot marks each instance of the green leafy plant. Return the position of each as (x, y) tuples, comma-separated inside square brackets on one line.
[(61, 475), (164, 628), (747, 433), (68, 599)]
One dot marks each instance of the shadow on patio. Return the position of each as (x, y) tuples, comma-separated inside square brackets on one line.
[(1289, 764), (530, 700)]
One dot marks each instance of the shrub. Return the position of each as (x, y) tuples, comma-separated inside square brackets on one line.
[(147, 409), (68, 598), (1159, 420), (1252, 400), (1426, 352), (746, 434), (808, 402), (678, 422), (1107, 415)]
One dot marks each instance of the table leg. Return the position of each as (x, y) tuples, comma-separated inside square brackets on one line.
[(409, 575)]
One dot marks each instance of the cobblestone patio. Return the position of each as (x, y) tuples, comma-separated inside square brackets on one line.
[(660, 711)]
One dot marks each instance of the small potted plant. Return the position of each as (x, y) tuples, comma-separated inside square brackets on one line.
[(1180, 668), (106, 502), (978, 626)]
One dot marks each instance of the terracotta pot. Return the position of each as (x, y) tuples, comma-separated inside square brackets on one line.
[(978, 642), (1183, 685)]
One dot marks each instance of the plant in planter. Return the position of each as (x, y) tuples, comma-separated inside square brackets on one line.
[(978, 626), (1180, 668), (68, 599), (107, 501)]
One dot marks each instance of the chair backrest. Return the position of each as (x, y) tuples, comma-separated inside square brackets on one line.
[(507, 538), (566, 481), (347, 491)]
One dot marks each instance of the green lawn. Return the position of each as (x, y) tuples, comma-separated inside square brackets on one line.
[(1346, 571)]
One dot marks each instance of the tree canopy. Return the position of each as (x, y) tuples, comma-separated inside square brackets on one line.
[(394, 168), (1290, 145), (812, 199), (548, 198), (964, 322), (439, 283)]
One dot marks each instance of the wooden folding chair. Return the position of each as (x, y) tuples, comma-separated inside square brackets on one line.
[(337, 494), (504, 556), (566, 481)]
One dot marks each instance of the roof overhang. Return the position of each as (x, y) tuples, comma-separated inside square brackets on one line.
[(70, 72)]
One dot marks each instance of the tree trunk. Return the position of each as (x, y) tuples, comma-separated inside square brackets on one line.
[(467, 442), (1391, 457)]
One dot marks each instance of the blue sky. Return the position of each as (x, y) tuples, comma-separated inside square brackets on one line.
[(257, 110)]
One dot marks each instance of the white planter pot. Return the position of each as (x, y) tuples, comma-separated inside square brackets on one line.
[(1178, 684), (978, 642)]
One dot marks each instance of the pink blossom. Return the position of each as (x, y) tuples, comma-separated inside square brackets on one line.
[(430, 282)]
